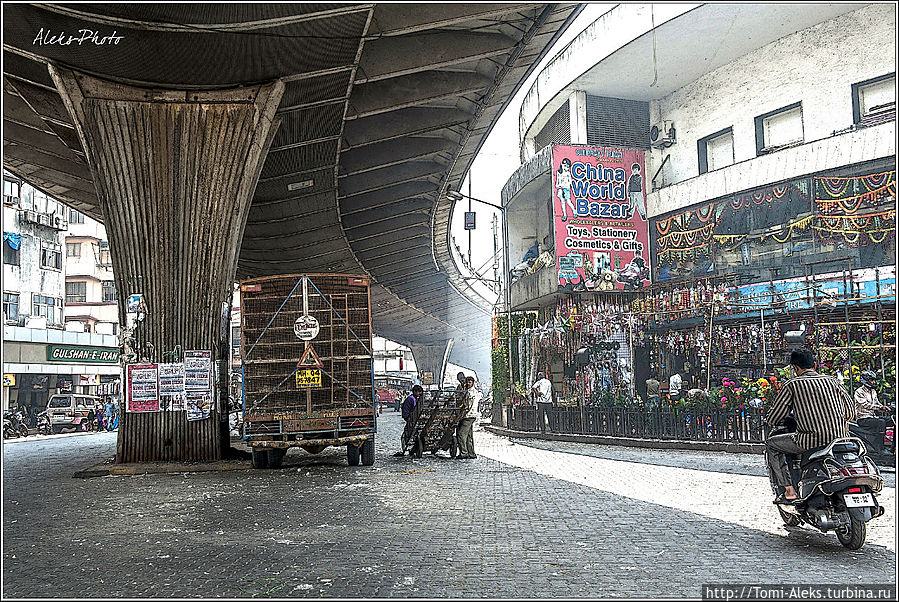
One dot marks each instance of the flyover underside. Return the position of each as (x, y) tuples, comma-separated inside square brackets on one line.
[(384, 108)]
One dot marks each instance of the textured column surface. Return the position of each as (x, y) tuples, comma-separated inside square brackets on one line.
[(432, 358), (175, 172)]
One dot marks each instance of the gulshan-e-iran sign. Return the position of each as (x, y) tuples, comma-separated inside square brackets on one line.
[(599, 209), (91, 355)]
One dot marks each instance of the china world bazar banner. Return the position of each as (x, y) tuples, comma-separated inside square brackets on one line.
[(599, 209)]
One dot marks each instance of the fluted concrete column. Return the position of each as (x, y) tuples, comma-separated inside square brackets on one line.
[(432, 358), (175, 172)]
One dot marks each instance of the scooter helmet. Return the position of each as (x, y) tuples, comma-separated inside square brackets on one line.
[(868, 378)]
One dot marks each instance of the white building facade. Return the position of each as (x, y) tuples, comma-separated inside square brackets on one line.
[(40, 355)]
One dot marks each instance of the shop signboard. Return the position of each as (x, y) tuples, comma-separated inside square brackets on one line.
[(143, 387), (794, 293), (82, 355), (599, 210)]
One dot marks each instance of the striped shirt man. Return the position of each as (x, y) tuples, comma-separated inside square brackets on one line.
[(819, 404)]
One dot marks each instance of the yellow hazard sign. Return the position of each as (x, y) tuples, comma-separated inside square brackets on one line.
[(309, 378)]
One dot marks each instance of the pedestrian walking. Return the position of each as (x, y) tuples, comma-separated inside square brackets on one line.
[(542, 393), (465, 430)]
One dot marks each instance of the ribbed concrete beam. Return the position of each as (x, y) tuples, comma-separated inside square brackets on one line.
[(398, 124), (392, 152), (386, 196), (174, 173), (411, 90), (385, 58), (385, 177)]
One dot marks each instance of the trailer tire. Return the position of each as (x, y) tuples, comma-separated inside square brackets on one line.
[(260, 458), (368, 451), (352, 455)]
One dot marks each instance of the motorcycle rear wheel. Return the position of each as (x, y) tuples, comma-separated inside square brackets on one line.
[(790, 520), (853, 536), (23, 430)]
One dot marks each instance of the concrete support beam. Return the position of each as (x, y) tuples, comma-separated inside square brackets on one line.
[(411, 90), (432, 358), (174, 171), (398, 124)]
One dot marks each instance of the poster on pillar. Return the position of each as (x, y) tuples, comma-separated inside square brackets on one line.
[(171, 387), (143, 387), (198, 384), (599, 212)]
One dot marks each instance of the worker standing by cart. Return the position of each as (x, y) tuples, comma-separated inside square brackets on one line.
[(466, 425), (409, 411)]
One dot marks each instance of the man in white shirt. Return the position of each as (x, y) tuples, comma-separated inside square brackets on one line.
[(674, 386), (542, 392), (465, 430)]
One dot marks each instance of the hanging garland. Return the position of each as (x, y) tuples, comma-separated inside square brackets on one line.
[(787, 231), (689, 235), (853, 203), (768, 195)]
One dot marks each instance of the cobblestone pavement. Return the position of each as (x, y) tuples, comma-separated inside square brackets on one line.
[(519, 521)]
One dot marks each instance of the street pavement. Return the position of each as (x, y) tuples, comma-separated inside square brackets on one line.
[(526, 519)]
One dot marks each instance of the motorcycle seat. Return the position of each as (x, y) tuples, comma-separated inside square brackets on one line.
[(840, 446)]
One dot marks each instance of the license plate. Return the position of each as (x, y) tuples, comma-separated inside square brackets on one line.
[(858, 500)]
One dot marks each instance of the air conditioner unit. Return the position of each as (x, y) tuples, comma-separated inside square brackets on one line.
[(44, 219), (661, 134), (28, 216), (59, 223)]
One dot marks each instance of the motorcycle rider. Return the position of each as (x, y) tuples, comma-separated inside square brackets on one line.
[(822, 410), (866, 403)]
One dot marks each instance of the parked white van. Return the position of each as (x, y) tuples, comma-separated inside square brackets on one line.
[(70, 410)]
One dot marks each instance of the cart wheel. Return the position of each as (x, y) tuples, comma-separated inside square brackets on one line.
[(276, 457), (352, 455), (368, 451), (454, 448), (260, 458)]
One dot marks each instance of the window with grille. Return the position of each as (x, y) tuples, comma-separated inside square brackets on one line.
[(51, 256), (11, 306), (109, 293), (73, 249), (49, 307), (779, 129), (716, 150), (76, 292), (617, 122), (556, 131), (75, 217)]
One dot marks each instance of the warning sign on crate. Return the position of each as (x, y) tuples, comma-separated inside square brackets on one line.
[(309, 378), (309, 359), (306, 328)]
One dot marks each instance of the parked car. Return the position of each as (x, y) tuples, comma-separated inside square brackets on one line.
[(71, 411)]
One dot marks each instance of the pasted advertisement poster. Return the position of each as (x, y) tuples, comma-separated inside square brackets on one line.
[(599, 209), (197, 370), (198, 384), (199, 405), (143, 387), (171, 387)]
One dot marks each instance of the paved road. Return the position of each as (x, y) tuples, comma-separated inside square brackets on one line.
[(524, 521)]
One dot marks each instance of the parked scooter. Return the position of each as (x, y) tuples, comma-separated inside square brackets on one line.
[(14, 425), (43, 424), (837, 487), (880, 442)]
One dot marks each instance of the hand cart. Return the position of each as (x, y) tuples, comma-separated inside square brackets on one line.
[(433, 425)]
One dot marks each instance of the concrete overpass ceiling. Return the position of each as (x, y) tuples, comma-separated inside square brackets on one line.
[(384, 107)]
